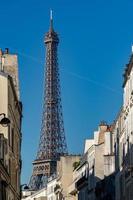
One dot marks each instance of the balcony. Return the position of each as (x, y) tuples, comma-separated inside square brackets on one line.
[(82, 182)]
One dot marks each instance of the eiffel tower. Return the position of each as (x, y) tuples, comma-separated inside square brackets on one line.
[(52, 143)]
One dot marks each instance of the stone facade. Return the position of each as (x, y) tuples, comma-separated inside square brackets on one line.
[(65, 169), (97, 163), (9, 65), (52, 182), (4, 175), (12, 107), (58, 185), (128, 126), (124, 139), (35, 195)]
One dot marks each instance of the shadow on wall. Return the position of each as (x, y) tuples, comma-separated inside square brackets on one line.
[(124, 171), (105, 189)]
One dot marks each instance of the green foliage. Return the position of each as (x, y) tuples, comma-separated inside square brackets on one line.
[(76, 164)]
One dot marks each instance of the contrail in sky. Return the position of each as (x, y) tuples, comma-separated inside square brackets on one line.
[(103, 85), (93, 82)]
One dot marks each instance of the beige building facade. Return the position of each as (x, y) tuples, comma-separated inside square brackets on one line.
[(128, 126), (97, 163), (65, 168), (58, 184), (4, 175), (124, 139), (11, 106), (52, 182), (34, 195)]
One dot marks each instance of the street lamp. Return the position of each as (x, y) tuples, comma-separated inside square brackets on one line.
[(4, 121), (23, 189), (25, 186)]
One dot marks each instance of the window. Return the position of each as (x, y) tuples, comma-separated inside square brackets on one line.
[(16, 179), (9, 135), (1, 147), (3, 190), (12, 135), (9, 167)]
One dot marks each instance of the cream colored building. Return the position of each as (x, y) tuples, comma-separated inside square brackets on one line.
[(58, 185), (52, 181), (35, 195), (81, 180), (46, 193), (124, 139), (128, 126), (10, 105), (65, 168), (97, 163), (119, 140), (4, 175)]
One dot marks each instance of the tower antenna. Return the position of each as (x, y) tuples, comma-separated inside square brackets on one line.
[(51, 19), (51, 14)]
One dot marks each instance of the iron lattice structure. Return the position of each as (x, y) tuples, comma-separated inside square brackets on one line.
[(52, 139)]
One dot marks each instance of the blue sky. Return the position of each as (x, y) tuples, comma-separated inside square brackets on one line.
[(95, 44)]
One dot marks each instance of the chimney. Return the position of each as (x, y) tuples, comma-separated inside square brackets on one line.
[(103, 126)]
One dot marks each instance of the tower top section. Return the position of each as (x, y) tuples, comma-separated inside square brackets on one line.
[(51, 36)]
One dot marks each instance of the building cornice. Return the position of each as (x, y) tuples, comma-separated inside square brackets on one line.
[(128, 70)]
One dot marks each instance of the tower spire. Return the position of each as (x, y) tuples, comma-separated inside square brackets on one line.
[(51, 20)]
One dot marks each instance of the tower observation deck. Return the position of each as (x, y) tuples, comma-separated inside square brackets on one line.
[(52, 143)]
